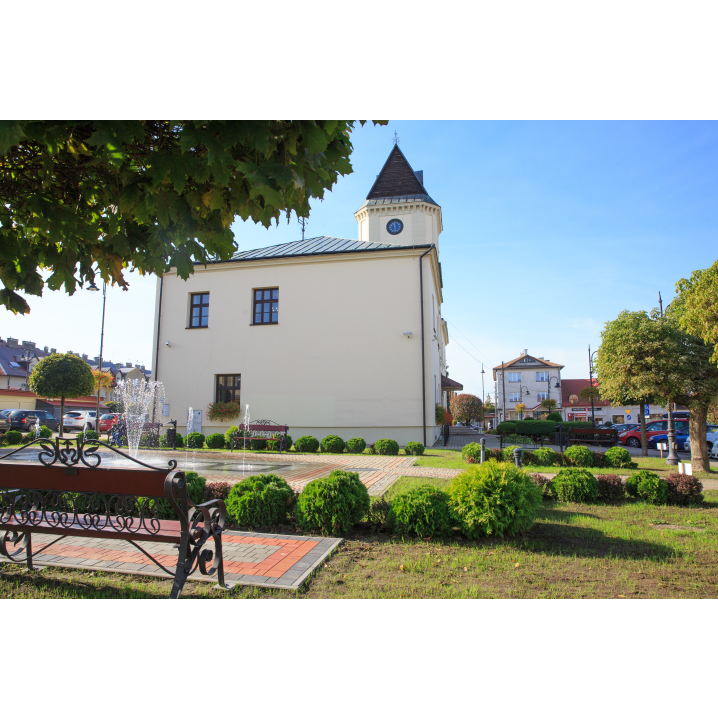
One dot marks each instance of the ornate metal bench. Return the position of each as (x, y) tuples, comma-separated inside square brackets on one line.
[(262, 430), (68, 495)]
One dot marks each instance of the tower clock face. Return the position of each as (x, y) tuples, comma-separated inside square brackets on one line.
[(394, 226)]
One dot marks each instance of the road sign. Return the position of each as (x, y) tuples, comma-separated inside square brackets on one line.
[(647, 412)]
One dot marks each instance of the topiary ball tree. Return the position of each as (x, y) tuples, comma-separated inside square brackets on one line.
[(62, 376)]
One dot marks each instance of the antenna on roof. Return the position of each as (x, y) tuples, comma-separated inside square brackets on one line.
[(396, 138), (303, 221)]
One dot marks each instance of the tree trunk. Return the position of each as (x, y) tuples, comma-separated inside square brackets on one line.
[(699, 448), (62, 413), (644, 438)]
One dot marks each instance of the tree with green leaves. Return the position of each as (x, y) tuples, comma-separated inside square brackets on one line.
[(467, 408), (62, 376), (79, 198), (548, 404), (699, 299)]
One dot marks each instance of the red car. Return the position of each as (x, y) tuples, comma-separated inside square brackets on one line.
[(107, 421), (653, 428)]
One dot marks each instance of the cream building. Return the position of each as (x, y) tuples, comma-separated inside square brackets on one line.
[(326, 335)]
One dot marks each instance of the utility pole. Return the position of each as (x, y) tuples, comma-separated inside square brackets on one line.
[(483, 410), (672, 458)]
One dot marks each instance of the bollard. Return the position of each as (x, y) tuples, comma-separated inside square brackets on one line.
[(483, 450), (517, 457)]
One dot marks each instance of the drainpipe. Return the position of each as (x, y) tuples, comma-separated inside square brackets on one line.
[(423, 364)]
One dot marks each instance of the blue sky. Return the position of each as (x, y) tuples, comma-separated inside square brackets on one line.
[(550, 230)]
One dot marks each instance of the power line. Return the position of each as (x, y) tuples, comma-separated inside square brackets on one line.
[(469, 340), (478, 361)]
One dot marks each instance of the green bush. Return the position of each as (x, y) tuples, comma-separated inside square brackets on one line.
[(257, 443), (654, 490), (215, 441), (507, 453), (228, 436), (14, 437), (195, 493), (422, 511), (45, 432), (579, 455), (370, 449), (555, 417), (414, 448), (195, 440), (306, 444), (494, 499), (334, 504), (599, 460), (333, 444), (258, 501), (506, 427), (618, 458), (273, 443), (471, 453), (544, 483), (534, 428), (575, 486), (356, 446), (610, 488), (378, 515), (545, 456), (634, 480), (387, 447), (179, 441), (88, 435), (577, 425)]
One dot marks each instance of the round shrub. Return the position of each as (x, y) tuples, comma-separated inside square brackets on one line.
[(422, 511), (274, 442), (414, 448), (653, 489), (13, 437), (507, 453), (618, 458), (306, 444), (554, 416), (579, 455), (633, 481), (599, 460), (494, 499), (356, 446), (334, 504), (333, 444), (545, 456), (257, 443), (370, 449), (684, 490), (575, 485), (88, 435), (610, 488), (45, 432), (387, 447), (215, 441), (228, 436), (195, 493), (471, 453), (179, 441), (195, 440), (262, 500), (544, 483)]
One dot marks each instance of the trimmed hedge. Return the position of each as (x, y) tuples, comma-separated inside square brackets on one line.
[(387, 447), (545, 456), (575, 486), (507, 453), (88, 435), (228, 436), (356, 446), (195, 440), (494, 500), (306, 444), (215, 441), (333, 444), (619, 458), (610, 488), (13, 437), (414, 448), (527, 427), (332, 505), (422, 512), (634, 480), (262, 500), (653, 489), (684, 490), (579, 455)]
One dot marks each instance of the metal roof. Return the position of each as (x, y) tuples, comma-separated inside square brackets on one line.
[(316, 246), (403, 199)]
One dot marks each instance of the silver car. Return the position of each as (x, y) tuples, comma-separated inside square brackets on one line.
[(79, 420)]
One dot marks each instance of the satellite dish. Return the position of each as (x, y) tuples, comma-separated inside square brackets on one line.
[(573, 399)]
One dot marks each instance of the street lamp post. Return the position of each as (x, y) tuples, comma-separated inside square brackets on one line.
[(94, 288), (483, 410), (556, 386), (590, 374), (521, 395)]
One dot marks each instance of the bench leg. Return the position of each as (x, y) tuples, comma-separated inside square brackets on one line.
[(180, 571), (220, 564)]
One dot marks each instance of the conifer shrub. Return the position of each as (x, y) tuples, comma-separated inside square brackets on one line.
[(356, 446), (88, 435), (471, 453), (45, 432), (179, 441), (575, 486), (13, 437), (653, 489), (262, 500), (414, 448), (387, 447), (684, 490), (378, 515), (507, 453), (545, 456), (215, 441), (333, 444), (195, 440), (544, 483), (618, 458), (579, 455), (332, 505), (610, 488), (228, 436), (493, 500), (306, 444), (195, 493), (422, 511), (633, 481)]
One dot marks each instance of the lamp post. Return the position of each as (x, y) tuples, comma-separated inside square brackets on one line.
[(483, 410), (521, 395), (590, 374), (94, 288), (556, 386)]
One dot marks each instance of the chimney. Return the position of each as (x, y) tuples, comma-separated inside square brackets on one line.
[(142, 367), (84, 356), (540, 357), (12, 342), (96, 359), (45, 349), (128, 364), (28, 345), (53, 350)]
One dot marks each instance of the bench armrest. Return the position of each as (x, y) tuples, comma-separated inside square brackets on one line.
[(214, 516)]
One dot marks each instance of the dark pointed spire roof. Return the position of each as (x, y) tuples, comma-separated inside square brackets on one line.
[(396, 178)]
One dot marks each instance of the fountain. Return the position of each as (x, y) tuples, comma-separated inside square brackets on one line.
[(190, 429), (139, 400), (244, 433)]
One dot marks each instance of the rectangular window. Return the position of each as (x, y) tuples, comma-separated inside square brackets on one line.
[(266, 306), (513, 396), (199, 310), (514, 376), (541, 395), (227, 388), (541, 376)]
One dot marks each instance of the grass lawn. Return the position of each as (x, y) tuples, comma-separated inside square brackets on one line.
[(573, 551)]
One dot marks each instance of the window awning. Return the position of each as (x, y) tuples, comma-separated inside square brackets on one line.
[(450, 385)]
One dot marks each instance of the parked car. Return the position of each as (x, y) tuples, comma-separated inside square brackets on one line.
[(25, 419), (4, 424), (6, 412), (663, 439), (623, 428), (633, 437), (107, 421), (711, 439), (79, 420)]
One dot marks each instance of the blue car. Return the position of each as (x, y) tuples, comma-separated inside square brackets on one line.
[(663, 439)]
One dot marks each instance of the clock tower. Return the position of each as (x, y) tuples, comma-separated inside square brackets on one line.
[(398, 210)]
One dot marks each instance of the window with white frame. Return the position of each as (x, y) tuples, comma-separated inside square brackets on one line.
[(514, 376), (541, 376), (513, 396), (541, 395)]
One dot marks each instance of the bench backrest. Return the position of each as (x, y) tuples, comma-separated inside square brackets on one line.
[(131, 482), (612, 432), (263, 427)]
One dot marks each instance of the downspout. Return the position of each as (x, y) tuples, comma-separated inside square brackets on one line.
[(423, 363), (159, 322)]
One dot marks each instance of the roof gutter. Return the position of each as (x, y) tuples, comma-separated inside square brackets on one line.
[(423, 362)]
